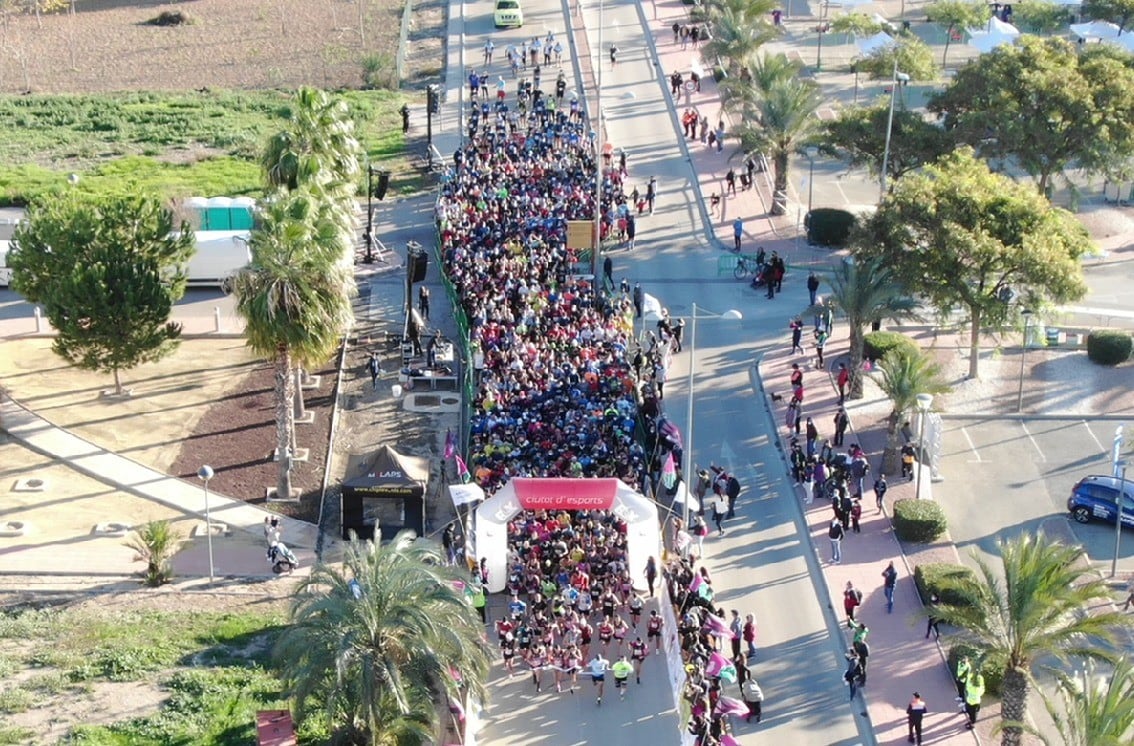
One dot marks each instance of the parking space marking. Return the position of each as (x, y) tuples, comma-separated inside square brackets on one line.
[(1102, 449), (1034, 443), (972, 447)]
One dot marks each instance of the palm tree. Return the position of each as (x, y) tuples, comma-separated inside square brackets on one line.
[(737, 35), (382, 638), (155, 543), (1043, 602), (295, 300), (1092, 711), (904, 373), (777, 118), (317, 149), (867, 292)]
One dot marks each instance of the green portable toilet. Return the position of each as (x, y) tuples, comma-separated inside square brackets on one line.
[(220, 213), (197, 212), (241, 214)]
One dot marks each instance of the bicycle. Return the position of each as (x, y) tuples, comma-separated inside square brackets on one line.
[(745, 265)]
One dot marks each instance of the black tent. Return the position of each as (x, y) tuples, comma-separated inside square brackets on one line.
[(388, 490)]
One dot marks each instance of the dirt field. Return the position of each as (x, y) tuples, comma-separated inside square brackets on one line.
[(108, 45)]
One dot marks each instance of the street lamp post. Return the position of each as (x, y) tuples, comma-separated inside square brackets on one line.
[(821, 29), (1027, 314), (689, 468), (811, 153), (598, 154), (206, 473), (924, 402), (896, 78), (1118, 468)]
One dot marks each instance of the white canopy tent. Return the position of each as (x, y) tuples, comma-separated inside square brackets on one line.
[(1095, 30), (1124, 40), (872, 44)]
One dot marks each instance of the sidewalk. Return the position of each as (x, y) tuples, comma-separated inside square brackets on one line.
[(902, 660), (130, 476)]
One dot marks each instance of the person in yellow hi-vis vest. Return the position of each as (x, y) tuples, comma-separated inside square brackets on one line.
[(479, 601), (974, 690), (961, 676)]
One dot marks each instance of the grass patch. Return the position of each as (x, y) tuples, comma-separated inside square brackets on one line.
[(15, 700), (10, 736), (174, 144)]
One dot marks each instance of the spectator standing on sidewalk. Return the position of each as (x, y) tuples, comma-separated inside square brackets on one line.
[(862, 650), (842, 421), (853, 674), (737, 232), (812, 434), (836, 533), (932, 621), (889, 582), (974, 691), (754, 698), (820, 342), (880, 488), (856, 515), (915, 713), (812, 287), (961, 675), (737, 630), (749, 635), (907, 461), (852, 599), (423, 302), (676, 30), (841, 380), (651, 195), (374, 368), (796, 326)]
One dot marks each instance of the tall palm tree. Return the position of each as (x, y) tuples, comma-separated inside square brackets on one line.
[(1091, 710), (867, 292), (294, 298), (777, 119), (1042, 602), (905, 373), (736, 36), (386, 634)]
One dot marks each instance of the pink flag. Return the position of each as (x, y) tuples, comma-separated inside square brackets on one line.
[(669, 472), (462, 469), (716, 625), (727, 740), (730, 706), (450, 443), (715, 664), (696, 583)]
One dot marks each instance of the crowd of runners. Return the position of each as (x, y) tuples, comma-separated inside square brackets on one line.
[(561, 387)]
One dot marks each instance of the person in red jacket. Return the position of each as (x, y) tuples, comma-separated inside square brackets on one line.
[(841, 380)]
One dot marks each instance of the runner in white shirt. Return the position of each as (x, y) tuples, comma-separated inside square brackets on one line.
[(598, 667)]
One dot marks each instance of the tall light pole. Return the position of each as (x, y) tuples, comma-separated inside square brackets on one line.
[(896, 78), (206, 473), (689, 468), (1118, 468), (1027, 314), (924, 402), (811, 153), (821, 28), (597, 121)]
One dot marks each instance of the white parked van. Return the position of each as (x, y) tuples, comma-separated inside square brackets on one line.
[(219, 255), (5, 273)]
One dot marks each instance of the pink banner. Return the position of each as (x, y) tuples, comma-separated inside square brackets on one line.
[(566, 494)]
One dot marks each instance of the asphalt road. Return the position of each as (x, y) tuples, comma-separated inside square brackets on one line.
[(1005, 476)]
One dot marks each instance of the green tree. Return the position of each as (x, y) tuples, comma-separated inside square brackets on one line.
[(1119, 12), (858, 24), (107, 271), (777, 117), (1031, 607), (155, 544), (913, 56), (737, 35), (294, 298), (956, 15), (902, 376), (1041, 16), (1092, 709), (866, 292), (378, 637), (858, 135), (959, 236), (1064, 108)]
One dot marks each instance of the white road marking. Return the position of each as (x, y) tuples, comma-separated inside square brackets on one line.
[(972, 447), (1090, 432), (1034, 443)]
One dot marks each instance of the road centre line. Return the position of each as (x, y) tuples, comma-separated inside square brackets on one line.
[(1024, 425), (1102, 448), (972, 447)]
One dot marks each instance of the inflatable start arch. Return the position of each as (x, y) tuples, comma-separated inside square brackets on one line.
[(643, 538)]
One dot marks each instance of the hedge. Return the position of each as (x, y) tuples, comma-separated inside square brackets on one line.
[(827, 226), (875, 345), (936, 578), (1109, 346), (992, 668), (920, 521)]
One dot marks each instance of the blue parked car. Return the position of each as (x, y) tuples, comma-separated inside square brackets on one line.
[(1095, 497)]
